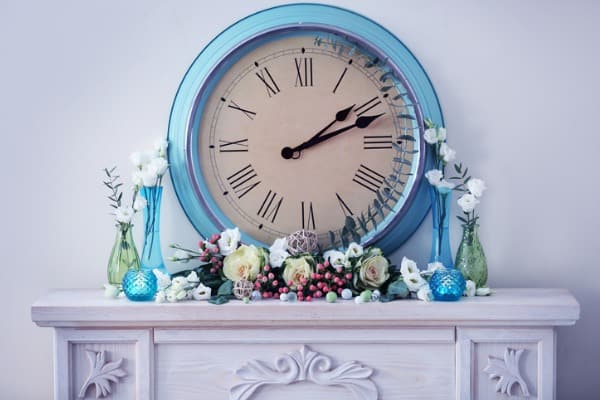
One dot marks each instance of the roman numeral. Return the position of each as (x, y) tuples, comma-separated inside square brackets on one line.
[(235, 106), (243, 181), (368, 178), (340, 80), (265, 77), (308, 216), (236, 146), (345, 209), (304, 71), (270, 206), (375, 142), (374, 102)]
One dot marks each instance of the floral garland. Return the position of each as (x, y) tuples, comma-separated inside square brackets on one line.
[(231, 270)]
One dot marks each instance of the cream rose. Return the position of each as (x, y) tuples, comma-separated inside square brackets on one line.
[(373, 272), (295, 269), (243, 263)]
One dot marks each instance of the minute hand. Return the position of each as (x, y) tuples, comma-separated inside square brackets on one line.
[(361, 122)]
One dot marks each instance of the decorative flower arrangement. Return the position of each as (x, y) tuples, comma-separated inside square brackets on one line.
[(234, 270)]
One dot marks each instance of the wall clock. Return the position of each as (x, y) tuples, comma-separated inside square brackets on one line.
[(303, 116)]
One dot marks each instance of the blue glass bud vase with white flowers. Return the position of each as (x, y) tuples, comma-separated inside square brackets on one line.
[(441, 193), (150, 168)]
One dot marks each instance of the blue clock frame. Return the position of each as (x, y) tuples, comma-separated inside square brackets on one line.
[(191, 190)]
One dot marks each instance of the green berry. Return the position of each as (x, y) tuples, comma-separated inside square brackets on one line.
[(331, 297), (366, 295), (246, 300)]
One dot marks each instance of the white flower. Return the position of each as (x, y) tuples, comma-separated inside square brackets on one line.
[(408, 267), (192, 277), (447, 153), (476, 187), (424, 293), (483, 291), (414, 281), (470, 289), (161, 297), (160, 165), (279, 244), (178, 283), (444, 186), (149, 176), (139, 159), (137, 178), (124, 214), (441, 134), (229, 241), (243, 263), (467, 202), (354, 250), (434, 266), (335, 258), (140, 203), (430, 136), (111, 291), (201, 292), (160, 146), (181, 256), (172, 296), (434, 176), (163, 280), (277, 257)]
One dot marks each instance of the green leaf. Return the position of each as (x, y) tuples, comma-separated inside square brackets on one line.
[(386, 88), (458, 168), (406, 116), (332, 238), (356, 237), (379, 197), (461, 219), (408, 137), (398, 288), (226, 289), (362, 222), (384, 77), (218, 300), (349, 223)]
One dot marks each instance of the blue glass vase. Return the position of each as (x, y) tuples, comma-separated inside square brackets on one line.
[(441, 200), (139, 284), (447, 284), (152, 257)]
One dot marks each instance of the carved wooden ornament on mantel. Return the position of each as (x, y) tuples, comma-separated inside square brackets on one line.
[(101, 373), (305, 365), (507, 372)]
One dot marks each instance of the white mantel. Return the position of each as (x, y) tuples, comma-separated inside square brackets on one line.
[(400, 350)]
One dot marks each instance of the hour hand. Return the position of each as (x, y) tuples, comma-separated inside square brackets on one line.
[(288, 152)]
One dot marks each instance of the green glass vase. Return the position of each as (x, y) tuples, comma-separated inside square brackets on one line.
[(470, 258), (124, 255)]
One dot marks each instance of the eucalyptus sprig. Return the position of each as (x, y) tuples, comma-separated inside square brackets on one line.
[(123, 214), (472, 189)]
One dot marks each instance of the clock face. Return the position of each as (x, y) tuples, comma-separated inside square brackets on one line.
[(301, 132), (303, 116)]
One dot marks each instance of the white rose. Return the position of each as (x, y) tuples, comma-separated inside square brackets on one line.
[(279, 244), (201, 292), (408, 267), (297, 269), (476, 187), (483, 291), (441, 134), (470, 289), (160, 165), (335, 258), (447, 153), (229, 241), (149, 176), (424, 293), (373, 272), (124, 214), (140, 203), (414, 281), (467, 202), (111, 291), (243, 263), (430, 136), (434, 176), (160, 146), (137, 178), (277, 257), (354, 250)]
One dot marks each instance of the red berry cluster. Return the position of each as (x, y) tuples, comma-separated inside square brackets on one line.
[(269, 284), (325, 279), (210, 253)]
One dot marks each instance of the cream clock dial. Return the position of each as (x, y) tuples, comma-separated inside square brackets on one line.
[(299, 136)]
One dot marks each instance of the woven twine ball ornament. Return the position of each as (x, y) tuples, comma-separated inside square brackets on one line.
[(242, 288), (302, 241)]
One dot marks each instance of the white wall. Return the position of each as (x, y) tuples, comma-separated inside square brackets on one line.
[(84, 83)]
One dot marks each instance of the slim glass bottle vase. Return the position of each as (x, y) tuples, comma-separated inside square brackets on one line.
[(151, 253), (124, 256), (440, 210), (470, 258)]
